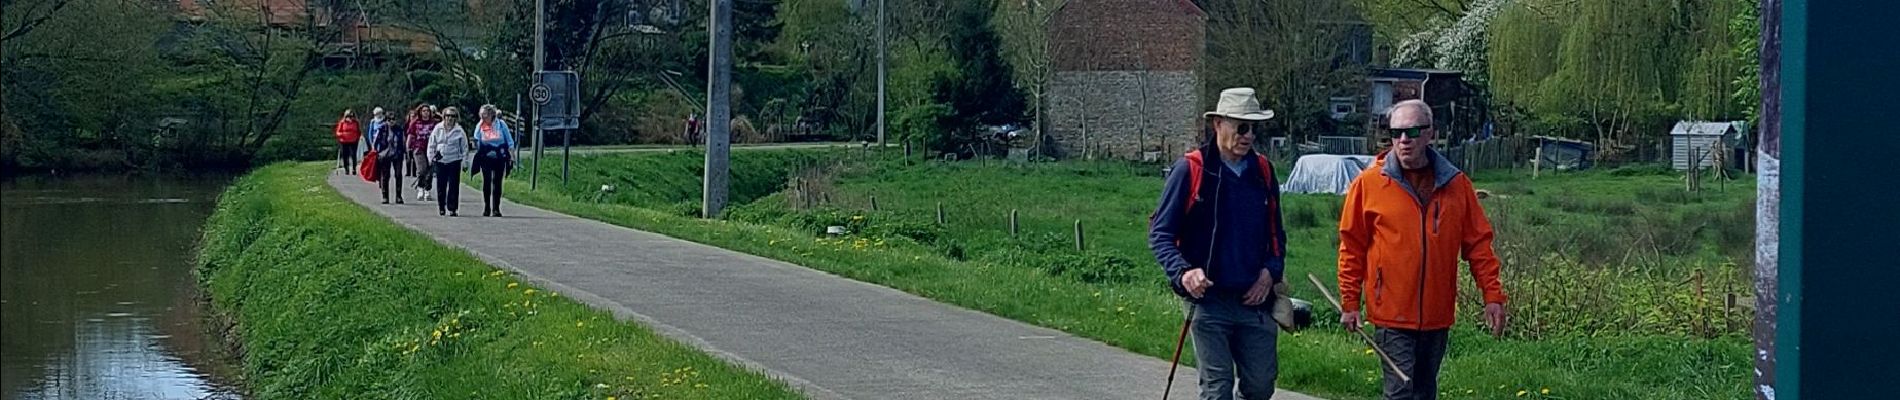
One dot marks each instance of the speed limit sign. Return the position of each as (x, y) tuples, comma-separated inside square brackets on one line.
[(540, 94)]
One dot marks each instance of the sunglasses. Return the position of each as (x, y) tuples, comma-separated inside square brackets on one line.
[(1408, 133)]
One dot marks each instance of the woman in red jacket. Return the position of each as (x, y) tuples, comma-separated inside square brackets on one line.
[(348, 132)]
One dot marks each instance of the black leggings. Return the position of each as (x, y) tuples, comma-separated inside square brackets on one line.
[(448, 186), (346, 157), (493, 170), (390, 168)]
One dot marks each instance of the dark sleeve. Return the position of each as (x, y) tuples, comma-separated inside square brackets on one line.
[(1166, 224), (1276, 261)]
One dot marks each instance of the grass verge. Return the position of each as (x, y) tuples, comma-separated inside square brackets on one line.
[(331, 301), (991, 274)]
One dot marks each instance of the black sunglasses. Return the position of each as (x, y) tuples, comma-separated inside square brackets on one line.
[(1408, 133), (1247, 128)]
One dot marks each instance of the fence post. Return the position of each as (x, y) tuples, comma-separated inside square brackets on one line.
[(939, 213), (1012, 223), (1537, 162), (1078, 236)]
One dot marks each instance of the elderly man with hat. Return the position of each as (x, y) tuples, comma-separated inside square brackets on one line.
[(1218, 235)]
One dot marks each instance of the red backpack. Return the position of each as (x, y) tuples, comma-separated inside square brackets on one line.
[(1196, 170)]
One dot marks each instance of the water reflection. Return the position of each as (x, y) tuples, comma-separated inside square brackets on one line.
[(97, 300)]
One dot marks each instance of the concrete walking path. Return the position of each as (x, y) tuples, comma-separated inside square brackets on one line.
[(832, 337)]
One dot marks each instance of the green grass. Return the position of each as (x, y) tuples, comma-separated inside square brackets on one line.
[(1113, 292), (331, 301)]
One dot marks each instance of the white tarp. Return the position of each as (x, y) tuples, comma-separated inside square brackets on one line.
[(1325, 173)]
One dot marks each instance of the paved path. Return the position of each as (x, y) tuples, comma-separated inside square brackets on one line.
[(832, 337), (554, 150)]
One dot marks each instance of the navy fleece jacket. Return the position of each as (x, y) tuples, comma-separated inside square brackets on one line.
[(1232, 220)]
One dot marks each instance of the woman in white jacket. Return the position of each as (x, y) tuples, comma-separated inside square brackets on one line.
[(448, 146)]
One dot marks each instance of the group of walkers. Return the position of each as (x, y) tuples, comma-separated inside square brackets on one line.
[(1406, 222), (430, 145)]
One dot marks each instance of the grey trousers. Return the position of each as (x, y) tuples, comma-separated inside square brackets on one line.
[(1233, 342), (1419, 353)]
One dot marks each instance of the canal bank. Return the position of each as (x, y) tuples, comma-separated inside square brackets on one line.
[(331, 301)]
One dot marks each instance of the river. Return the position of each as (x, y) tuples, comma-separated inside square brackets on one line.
[(97, 298)]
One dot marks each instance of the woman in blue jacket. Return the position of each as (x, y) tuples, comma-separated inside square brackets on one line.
[(494, 157)]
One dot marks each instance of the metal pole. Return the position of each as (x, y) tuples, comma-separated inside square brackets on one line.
[(566, 134), (718, 109), (880, 73), (540, 63)]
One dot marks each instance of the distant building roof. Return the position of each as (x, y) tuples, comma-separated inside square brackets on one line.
[(1705, 128), (1410, 73)]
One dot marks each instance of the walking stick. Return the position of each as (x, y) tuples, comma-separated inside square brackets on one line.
[(1362, 332), (1178, 342)]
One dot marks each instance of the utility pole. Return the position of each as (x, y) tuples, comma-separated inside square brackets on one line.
[(880, 73), (540, 63), (718, 109)]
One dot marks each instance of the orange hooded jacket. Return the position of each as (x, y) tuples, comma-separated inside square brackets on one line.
[(1400, 255)]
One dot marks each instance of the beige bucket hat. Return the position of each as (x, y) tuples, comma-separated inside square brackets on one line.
[(1239, 103)]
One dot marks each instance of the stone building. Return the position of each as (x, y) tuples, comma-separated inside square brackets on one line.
[(1124, 82)]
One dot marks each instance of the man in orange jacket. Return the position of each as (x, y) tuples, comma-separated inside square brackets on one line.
[(1406, 222)]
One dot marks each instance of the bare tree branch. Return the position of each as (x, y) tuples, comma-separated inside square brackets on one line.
[(33, 21)]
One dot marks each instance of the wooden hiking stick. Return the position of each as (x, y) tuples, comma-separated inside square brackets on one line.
[(1361, 332), (1178, 343)]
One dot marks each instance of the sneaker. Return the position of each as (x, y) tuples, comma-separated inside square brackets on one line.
[(385, 201), (398, 201), (452, 214), (442, 213)]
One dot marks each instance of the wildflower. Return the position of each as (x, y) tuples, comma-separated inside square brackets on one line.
[(495, 273), (578, 324), (1544, 391), (437, 334), (601, 386), (529, 292), (612, 398), (700, 385), (512, 285), (1120, 308), (1368, 351), (1521, 393)]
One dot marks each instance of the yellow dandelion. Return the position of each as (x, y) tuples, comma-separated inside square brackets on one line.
[(495, 273), (579, 324), (701, 385), (529, 292), (1544, 391), (612, 398), (1368, 351), (1120, 308), (1469, 391), (437, 334), (1521, 393), (512, 285)]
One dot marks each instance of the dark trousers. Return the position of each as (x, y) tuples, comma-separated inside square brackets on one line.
[(448, 186), (1419, 353), (1237, 347), (493, 170), (346, 157), (387, 170)]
